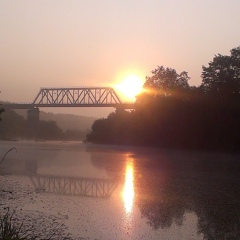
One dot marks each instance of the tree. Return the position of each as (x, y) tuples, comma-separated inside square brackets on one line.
[(1, 111), (222, 77), (49, 130), (115, 129), (171, 114), (166, 82), (13, 125)]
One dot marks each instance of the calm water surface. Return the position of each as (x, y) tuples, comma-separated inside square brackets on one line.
[(105, 192)]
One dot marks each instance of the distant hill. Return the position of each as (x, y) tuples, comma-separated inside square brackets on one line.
[(69, 121), (65, 121)]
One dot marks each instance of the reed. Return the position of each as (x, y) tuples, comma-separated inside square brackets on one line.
[(10, 229)]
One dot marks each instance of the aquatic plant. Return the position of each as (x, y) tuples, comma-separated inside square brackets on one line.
[(10, 229), (7, 153)]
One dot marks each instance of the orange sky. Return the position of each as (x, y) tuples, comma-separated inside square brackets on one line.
[(93, 43)]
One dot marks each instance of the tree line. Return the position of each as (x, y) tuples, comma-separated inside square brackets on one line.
[(170, 113), (14, 126)]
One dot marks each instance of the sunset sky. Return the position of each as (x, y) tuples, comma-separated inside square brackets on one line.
[(61, 43)]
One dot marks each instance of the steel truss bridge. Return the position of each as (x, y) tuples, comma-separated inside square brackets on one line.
[(73, 97), (90, 187)]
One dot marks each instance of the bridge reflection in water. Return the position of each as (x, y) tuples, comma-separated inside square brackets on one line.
[(89, 187)]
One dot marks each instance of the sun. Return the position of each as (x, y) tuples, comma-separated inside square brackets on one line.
[(130, 87)]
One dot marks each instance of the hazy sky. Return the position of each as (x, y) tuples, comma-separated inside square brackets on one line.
[(57, 43)]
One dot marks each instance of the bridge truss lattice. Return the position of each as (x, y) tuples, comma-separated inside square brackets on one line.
[(78, 96), (89, 187)]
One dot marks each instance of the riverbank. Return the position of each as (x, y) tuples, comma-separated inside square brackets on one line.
[(20, 199)]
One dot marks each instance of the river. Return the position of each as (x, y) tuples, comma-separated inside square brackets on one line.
[(69, 189)]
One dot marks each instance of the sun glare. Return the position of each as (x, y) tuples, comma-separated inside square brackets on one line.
[(130, 87), (128, 192)]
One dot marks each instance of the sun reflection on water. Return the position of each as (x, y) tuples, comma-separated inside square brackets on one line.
[(128, 191)]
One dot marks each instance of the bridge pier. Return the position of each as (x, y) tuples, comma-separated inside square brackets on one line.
[(33, 122), (33, 114)]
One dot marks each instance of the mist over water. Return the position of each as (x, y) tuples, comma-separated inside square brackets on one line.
[(109, 192)]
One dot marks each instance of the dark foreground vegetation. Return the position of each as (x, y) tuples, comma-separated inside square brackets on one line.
[(11, 228), (172, 114)]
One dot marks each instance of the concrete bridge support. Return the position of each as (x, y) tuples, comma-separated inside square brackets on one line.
[(33, 115), (33, 122)]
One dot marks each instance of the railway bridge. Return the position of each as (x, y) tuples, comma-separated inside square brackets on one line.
[(75, 186), (70, 97)]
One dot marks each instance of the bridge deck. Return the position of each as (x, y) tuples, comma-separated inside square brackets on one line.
[(74, 97), (31, 105)]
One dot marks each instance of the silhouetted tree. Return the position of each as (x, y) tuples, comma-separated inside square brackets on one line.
[(98, 133), (171, 114), (222, 77), (15, 126), (165, 86), (12, 125), (166, 81), (75, 135), (1, 111), (49, 130), (111, 130)]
